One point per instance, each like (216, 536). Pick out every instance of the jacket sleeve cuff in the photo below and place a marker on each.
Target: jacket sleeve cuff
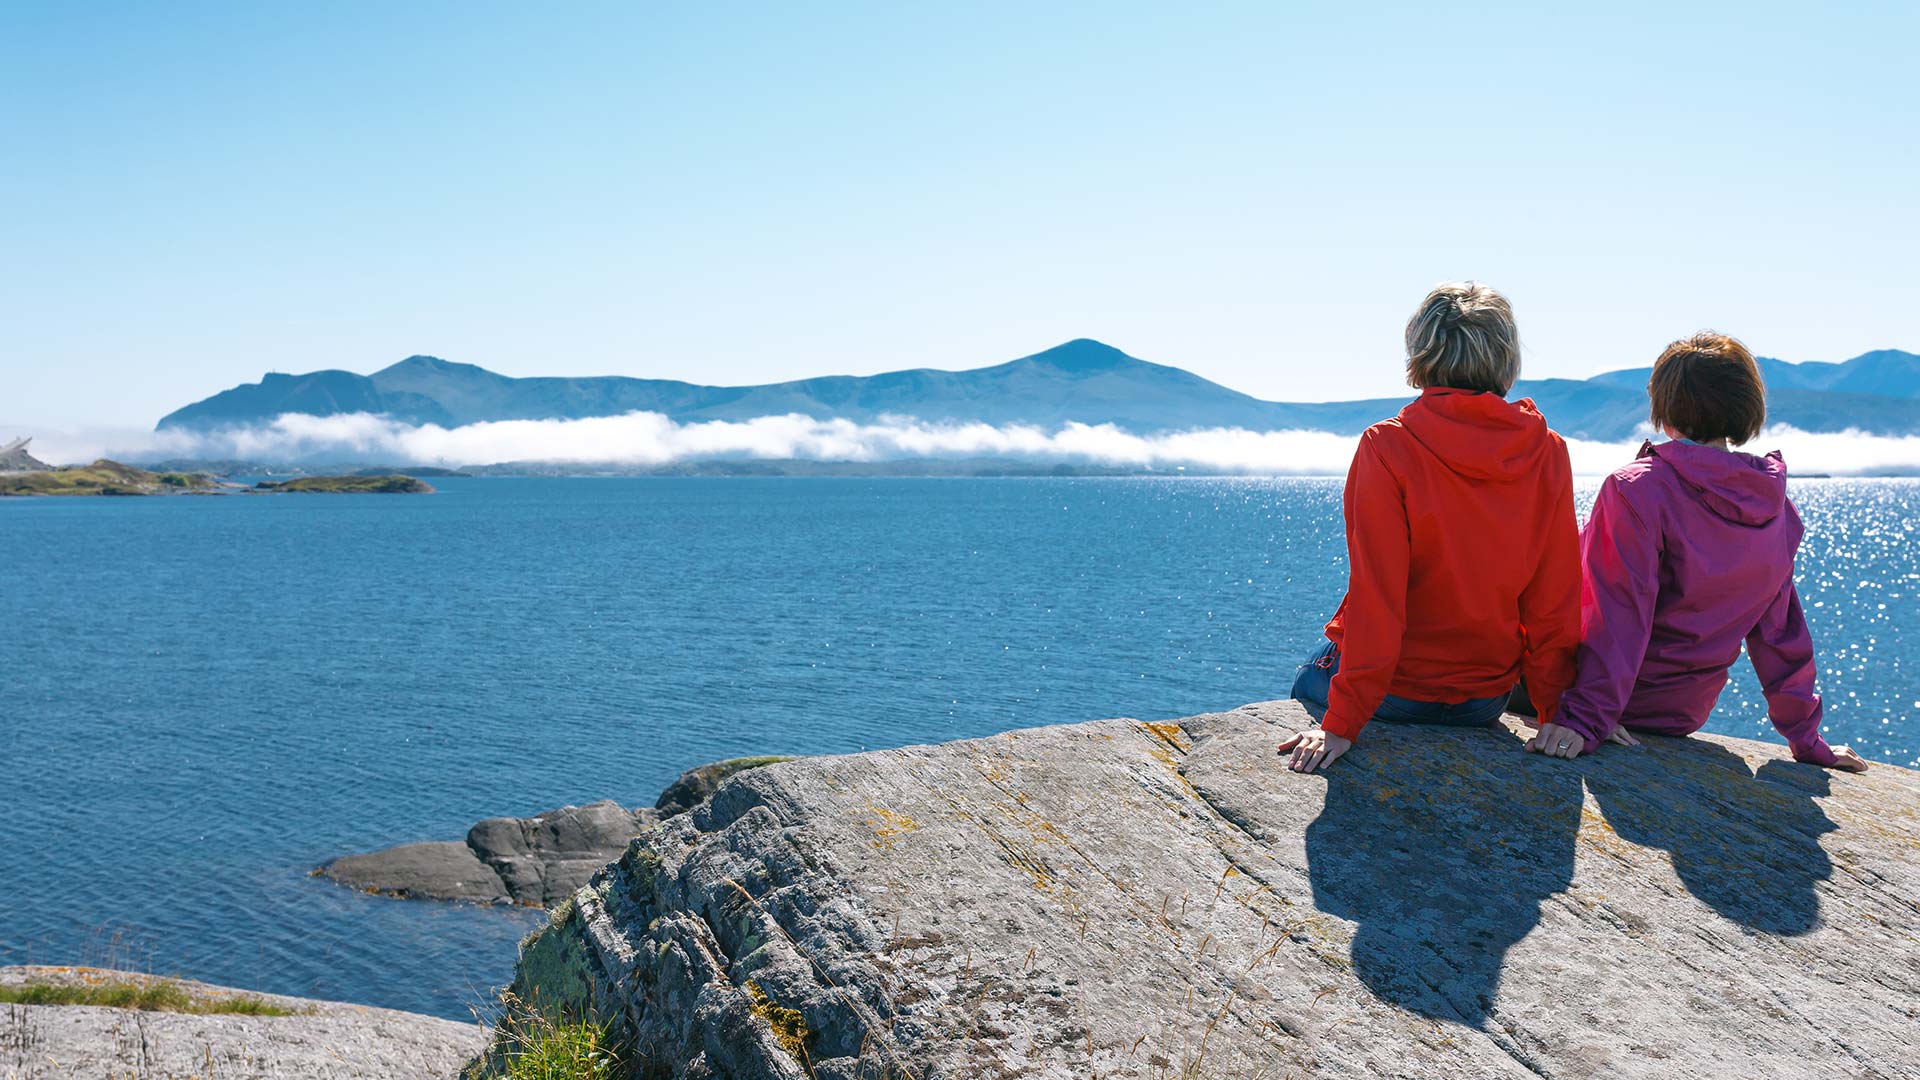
(1816, 752)
(1578, 727)
(1341, 726)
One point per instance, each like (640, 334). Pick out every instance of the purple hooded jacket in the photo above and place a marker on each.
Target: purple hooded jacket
(1689, 551)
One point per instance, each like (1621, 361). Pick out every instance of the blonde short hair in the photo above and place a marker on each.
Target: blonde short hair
(1462, 336)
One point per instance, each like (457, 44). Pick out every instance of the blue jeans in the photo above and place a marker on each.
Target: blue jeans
(1316, 679)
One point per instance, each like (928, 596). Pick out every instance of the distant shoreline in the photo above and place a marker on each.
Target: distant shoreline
(112, 479)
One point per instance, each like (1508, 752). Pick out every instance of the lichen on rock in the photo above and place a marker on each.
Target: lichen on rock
(789, 1026)
(554, 973)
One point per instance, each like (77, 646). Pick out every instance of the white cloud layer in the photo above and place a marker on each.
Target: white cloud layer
(648, 439)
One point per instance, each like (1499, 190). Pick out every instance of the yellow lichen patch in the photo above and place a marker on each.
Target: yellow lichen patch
(1172, 734)
(1164, 756)
(788, 1026)
(1163, 752)
(1597, 832)
(889, 826)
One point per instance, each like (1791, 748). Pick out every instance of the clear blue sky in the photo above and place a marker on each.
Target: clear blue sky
(197, 193)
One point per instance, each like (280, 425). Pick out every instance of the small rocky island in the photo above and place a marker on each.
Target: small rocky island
(383, 484)
(537, 861)
(1160, 900)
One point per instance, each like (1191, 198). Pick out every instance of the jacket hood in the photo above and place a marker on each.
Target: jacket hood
(1739, 487)
(1478, 435)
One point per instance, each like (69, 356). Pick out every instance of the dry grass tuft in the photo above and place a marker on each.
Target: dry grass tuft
(156, 995)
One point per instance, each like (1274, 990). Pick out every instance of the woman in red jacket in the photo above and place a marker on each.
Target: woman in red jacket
(1463, 555)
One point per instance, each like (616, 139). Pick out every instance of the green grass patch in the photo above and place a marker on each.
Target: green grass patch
(531, 1044)
(155, 996)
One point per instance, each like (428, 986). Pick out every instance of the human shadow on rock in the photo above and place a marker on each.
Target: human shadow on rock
(1441, 844)
(1746, 844)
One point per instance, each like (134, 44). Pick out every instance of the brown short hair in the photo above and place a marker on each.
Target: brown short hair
(1462, 335)
(1708, 388)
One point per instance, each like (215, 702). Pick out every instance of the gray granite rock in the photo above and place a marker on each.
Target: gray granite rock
(533, 861)
(431, 870)
(1120, 899)
(698, 784)
(541, 860)
(536, 861)
(323, 1039)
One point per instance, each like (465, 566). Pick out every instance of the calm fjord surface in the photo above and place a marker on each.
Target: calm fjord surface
(204, 698)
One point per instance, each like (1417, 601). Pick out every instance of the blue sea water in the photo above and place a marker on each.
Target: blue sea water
(203, 698)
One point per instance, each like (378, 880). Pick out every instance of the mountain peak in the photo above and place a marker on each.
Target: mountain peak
(1082, 354)
(420, 362)
(1077, 381)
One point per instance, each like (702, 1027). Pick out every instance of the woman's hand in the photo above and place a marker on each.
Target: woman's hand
(1315, 747)
(1556, 741)
(1844, 758)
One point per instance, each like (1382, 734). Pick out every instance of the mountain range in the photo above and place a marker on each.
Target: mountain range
(1083, 380)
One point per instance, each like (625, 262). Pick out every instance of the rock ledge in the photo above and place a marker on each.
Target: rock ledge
(324, 1038)
(1124, 899)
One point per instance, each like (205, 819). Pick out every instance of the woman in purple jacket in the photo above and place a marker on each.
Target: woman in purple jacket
(1689, 551)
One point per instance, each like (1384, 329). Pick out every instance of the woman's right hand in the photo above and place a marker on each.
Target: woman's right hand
(1314, 748)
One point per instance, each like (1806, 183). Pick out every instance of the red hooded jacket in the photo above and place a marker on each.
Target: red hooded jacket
(1464, 560)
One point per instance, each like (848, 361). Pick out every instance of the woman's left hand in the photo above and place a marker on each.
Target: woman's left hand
(1314, 748)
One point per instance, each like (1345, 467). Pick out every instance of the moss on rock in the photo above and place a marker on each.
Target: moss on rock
(555, 975)
(789, 1027)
